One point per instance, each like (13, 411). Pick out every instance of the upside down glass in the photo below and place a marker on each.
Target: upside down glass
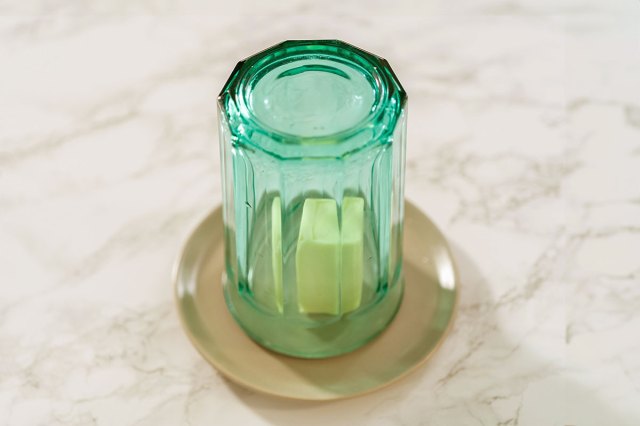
(312, 137)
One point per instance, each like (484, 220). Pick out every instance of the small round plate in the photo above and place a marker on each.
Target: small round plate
(419, 327)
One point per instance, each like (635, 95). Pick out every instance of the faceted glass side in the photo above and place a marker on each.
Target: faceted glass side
(312, 138)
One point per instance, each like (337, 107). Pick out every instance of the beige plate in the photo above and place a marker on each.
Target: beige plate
(418, 329)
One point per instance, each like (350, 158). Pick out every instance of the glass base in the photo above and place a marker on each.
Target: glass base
(320, 339)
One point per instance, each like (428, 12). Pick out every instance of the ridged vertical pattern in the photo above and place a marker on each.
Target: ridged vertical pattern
(228, 211)
(244, 204)
(397, 198)
(353, 270)
(381, 189)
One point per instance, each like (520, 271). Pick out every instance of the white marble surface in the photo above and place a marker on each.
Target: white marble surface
(524, 147)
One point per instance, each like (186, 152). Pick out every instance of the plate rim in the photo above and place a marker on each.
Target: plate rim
(175, 273)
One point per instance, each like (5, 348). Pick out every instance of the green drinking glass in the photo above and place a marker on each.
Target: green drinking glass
(312, 137)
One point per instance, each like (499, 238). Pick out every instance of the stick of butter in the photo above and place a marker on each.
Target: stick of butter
(329, 259)
(352, 234)
(318, 258)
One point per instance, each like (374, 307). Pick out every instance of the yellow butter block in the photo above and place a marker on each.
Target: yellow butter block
(352, 246)
(318, 258)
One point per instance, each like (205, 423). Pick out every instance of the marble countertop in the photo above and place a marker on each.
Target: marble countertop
(523, 146)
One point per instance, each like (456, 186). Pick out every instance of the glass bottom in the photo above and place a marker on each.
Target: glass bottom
(346, 333)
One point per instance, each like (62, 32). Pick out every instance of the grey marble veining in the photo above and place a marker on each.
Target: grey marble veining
(524, 147)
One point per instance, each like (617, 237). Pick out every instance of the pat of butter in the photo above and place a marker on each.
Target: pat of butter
(318, 258)
(329, 259)
(276, 251)
(352, 234)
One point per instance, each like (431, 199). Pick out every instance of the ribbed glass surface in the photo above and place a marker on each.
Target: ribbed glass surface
(312, 146)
